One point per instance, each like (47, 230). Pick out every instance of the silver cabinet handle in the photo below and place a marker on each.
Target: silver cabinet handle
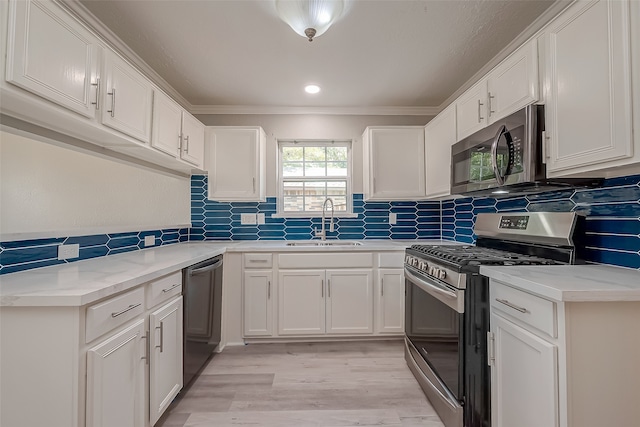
(259, 260)
(373, 190)
(172, 287)
(97, 85)
(113, 102)
(179, 142)
(186, 139)
(269, 289)
(322, 288)
(146, 347)
(511, 305)
(490, 108)
(161, 346)
(329, 288)
(131, 307)
(382, 286)
(254, 184)
(480, 118)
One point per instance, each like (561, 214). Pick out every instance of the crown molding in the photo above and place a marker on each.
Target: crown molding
(534, 29)
(354, 111)
(120, 47)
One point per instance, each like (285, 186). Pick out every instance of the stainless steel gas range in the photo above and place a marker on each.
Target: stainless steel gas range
(447, 305)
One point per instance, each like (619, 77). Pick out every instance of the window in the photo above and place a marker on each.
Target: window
(311, 172)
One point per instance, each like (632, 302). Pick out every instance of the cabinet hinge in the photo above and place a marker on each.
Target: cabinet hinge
(491, 355)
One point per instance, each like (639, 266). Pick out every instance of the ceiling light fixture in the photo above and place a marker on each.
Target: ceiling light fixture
(312, 89)
(310, 18)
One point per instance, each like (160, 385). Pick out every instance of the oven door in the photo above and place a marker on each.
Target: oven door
(434, 322)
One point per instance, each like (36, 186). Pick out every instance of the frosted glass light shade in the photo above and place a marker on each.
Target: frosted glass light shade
(309, 18)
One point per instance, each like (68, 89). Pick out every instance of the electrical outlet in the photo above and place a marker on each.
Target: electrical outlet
(247, 219)
(149, 240)
(68, 251)
(260, 218)
(393, 217)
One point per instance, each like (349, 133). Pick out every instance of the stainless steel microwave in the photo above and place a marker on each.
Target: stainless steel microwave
(506, 158)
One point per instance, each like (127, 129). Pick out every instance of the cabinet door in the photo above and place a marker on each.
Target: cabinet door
(349, 301)
(439, 136)
(52, 55)
(471, 110)
(165, 365)
(301, 296)
(258, 305)
(524, 378)
(192, 140)
(233, 163)
(167, 120)
(127, 99)
(115, 379)
(588, 114)
(390, 312)
(513, 84)
(395, 157)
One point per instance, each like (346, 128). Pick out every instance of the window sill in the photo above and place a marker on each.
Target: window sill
(314, 215)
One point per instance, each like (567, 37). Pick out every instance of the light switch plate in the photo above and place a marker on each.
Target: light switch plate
(149, 240)
(247, 219)
(68, 251)
(393, 217)
(260, 218)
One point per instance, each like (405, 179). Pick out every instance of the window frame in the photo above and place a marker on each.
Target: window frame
(280, 212)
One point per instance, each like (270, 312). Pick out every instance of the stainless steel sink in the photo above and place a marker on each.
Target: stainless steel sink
(325, 243)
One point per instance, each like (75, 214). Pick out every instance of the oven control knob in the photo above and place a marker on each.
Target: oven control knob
(422, 266)
(442, 274)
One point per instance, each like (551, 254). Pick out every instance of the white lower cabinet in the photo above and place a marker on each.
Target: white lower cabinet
(258, 303)
(562, 364)
(165, 357)
(313, 302)
(301, 302)
(523, 378)
(115, 379)
(390, 301)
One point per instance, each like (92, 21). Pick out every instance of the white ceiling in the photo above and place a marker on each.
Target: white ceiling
(382, 53)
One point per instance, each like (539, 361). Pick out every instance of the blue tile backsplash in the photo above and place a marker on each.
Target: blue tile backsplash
(613, 224)
(612, 211)
(221, 221)
(28, 254)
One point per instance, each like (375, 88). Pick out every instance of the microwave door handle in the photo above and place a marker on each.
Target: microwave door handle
(494, 154)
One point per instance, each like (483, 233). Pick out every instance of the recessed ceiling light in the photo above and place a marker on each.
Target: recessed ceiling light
(312, 89)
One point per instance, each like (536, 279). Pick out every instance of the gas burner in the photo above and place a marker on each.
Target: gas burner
(475, 255)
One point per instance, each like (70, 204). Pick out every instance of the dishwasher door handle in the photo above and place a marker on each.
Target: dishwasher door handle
(205, 269)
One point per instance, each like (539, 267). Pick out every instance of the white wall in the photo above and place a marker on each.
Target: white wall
(48, 190)
(302, 126)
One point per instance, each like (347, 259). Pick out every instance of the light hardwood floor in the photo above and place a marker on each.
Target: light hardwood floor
(362, 383)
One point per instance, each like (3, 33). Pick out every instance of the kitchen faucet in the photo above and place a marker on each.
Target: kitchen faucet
(323, 233)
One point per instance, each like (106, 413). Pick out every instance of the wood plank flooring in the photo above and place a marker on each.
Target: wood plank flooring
(361, 383)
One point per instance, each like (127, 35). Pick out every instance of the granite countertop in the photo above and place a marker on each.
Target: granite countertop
(571, 283)
(83, 282)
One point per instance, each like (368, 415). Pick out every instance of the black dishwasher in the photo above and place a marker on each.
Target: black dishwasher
(202, 314)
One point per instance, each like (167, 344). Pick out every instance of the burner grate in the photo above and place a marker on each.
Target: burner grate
(474, 255)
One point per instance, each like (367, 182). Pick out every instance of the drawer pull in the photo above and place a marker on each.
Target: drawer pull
(511, 305)
(258, 260)
(171, 288)
(131, 307)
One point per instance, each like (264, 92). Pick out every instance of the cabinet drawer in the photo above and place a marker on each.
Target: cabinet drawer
(529, 309)
(164, 288)
(391, 260)
(258, 260)
(332, 260)
(107, 315)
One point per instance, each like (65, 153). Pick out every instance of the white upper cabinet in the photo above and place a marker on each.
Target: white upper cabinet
(393, 164)
(589, 98)
(510, 86)
(234, 158)
(439, 136)
(167, 124)
(192, 148)
(127, 99)
(176, 132)
(52, 55)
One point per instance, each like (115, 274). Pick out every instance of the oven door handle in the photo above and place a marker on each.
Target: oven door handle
(444, 295)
